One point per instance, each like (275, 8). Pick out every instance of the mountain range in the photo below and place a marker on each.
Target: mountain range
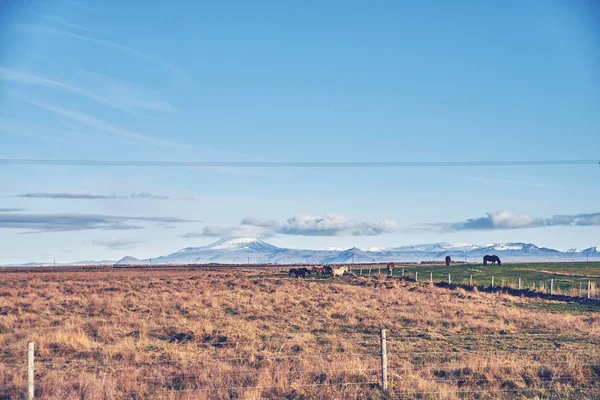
(238, 250)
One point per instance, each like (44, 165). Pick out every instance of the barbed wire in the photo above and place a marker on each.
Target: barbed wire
(401, 391)
(489, 366)
(397, 335)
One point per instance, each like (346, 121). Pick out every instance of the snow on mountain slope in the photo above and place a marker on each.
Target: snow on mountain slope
(237, 250)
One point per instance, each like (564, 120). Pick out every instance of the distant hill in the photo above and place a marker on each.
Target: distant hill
(238, 250)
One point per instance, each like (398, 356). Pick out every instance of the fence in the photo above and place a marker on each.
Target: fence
(560, 285)
(404, 363)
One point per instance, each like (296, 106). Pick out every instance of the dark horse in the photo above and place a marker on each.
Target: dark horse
(448, 260)
(493, 259)
(299, 272)
(390, 268)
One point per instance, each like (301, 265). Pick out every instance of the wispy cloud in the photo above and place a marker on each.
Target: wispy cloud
(36, 223)
(213, 231)
(88, 196)
(301, 225)
(174, 70)
(61, 21)
(253, 221)
(507, 220)
(335, 225)
(119, 95)
(117, 244)
(98, 124)
(127, 94)
(7, 210)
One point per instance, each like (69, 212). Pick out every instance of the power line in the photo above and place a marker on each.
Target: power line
(293, 164)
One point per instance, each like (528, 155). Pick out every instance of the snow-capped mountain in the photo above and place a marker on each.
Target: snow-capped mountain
(591, 250)
(243, 250)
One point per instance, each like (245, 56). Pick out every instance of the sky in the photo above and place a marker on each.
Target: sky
(296, 81)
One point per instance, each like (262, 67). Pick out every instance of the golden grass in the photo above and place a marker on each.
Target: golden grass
(188, 334)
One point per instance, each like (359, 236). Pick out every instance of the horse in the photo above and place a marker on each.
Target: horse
(319, 270)
(339, 271)
(299, 272)
(390, 268)
(493, 259)
(303, 271)
(448, 260)
(328, 269)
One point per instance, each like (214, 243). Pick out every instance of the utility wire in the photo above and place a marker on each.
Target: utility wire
(292, 164)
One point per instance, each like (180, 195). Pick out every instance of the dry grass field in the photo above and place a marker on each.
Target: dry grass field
(194, 334)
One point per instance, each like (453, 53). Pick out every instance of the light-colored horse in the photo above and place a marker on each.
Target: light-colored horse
(339, 271)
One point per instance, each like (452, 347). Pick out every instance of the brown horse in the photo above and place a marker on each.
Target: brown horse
(448, 260)
(390, 268)
(319, 270)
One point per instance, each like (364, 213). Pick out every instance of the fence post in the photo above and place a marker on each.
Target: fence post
(360, 271)
(403, 272)
(492, 281)
(449, 280)
(471, 280)
(417, 276)
(384, 382)
(519, 283)
(589, 288)
(30, 370)
(369, 271)
(431, 277)
(551, 286)
(379, 273)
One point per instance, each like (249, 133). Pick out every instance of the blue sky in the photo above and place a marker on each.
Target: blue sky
(296, 81)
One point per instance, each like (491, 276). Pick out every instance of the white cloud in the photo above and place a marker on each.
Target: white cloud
(253, 221)
(508, 220)
(335, 225)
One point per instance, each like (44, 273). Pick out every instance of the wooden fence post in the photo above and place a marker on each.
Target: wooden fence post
(589, 289)
(551, 286)
(30, 370)
(417, 276)
(431, 277)
(369, 271)
(360, 271)
(384, 382)
(519, 283)
(471, 280)
(403, 272)
(492, 281)
(449, 280)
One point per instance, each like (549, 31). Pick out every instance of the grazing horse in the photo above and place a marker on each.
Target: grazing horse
(319, 270)
(448, 260)
(390, 268)
(303, 272)
(299, 272)
(339, 271)
(493, 259)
